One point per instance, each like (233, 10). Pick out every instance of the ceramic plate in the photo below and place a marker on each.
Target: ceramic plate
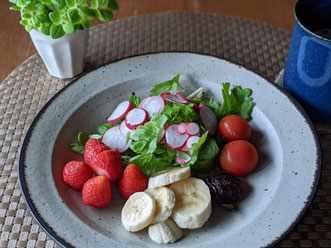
(276, 194)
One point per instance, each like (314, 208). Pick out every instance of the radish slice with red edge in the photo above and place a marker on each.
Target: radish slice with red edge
(208, 118)
(192, 140)
(182, 158)
(183, 97)
(184, 149)
(135, 118)
(165, 93)
(196, 107)
(125, 130)
(192, 129)
(175, 99)
(120, 111)
(114, 139)
(174, 139)
(181, 127)
(153, 104)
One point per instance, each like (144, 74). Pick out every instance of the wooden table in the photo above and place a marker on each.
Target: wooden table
(16, 46)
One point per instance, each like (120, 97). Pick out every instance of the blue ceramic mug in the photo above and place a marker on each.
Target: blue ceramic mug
(308, 68)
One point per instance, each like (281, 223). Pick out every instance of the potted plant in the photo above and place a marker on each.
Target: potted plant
(59, 30)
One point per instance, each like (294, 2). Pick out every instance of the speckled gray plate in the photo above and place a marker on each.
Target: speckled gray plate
(276, 194)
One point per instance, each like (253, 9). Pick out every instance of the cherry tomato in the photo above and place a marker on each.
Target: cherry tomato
(238, 157)
(233, 127)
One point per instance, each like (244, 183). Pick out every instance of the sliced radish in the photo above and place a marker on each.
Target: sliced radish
(174, 139)
(183, 97)
(175, 99)
(184, 149)
(153, 104)
(165, 93)
(120, 111)
(181, 127)
(192, 129)
(125, 130)
(113, 138)
(135, 118)
(161, 136)
(196, 107)
(182, 158)
(192, 140)
(208, 118)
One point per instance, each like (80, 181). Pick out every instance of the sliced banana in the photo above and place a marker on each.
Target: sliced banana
(138, 211)
(169, 176)
(165, 232)
(193, 203)
(165, 202)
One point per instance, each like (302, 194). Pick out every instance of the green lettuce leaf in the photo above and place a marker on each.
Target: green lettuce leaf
(145, 137)
(135, 100)
(177, 113)
(150, 164)
(195, 149)
(238, 102)
(206, 156)
(172, 84)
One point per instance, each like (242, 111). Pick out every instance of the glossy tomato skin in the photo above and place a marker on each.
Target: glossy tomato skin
(238, 157)
(233, 127)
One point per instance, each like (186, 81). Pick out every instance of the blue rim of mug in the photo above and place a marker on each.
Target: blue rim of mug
(306, 29)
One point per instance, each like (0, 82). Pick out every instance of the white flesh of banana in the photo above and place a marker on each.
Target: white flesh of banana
(165, 202)
(165, 232)
(167, 177)
(138, 211)
(193, 203)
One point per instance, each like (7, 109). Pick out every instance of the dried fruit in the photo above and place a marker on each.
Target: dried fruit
(225, 189)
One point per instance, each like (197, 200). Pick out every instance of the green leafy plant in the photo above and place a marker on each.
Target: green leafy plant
(59, 17)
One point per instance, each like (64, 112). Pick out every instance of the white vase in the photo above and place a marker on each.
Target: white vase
(63, 57)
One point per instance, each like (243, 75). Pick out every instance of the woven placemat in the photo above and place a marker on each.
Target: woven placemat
(260, 47)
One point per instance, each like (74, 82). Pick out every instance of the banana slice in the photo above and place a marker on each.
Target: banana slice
(193, 203)
(165, 232)
(138, 211)
(169, 176)
(165, 202)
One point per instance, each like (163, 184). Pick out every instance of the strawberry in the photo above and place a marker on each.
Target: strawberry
(97, 192)
(132, 181)
(92, 148)
(107, 163)
(76, 173)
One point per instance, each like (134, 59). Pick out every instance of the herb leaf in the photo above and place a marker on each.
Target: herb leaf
(177, 113)
(77, 148)
(82, 138)
(56, 31)
(135, 100)
(59, 17)
(170, 85)
(238, 102)
(102, 128)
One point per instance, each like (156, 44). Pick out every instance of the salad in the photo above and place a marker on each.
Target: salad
(165, 142)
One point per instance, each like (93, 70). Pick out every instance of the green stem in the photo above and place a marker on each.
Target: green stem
(196, 93)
